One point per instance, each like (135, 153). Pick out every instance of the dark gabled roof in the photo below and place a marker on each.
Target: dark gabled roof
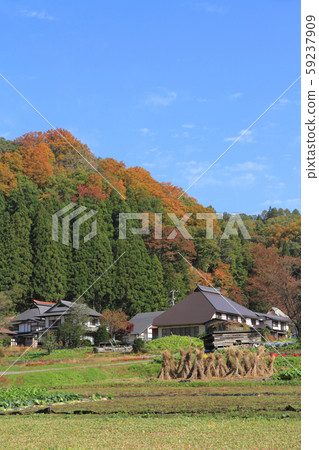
(275, 318)
(142, 321)
(193, 310)
(63, 306)
(224, 304)
(199, 308)
(30, 314)
(33, 313)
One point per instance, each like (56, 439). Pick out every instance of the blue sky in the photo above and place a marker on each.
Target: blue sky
(166, 85)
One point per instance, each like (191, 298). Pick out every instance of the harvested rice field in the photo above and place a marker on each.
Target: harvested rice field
(131, 432)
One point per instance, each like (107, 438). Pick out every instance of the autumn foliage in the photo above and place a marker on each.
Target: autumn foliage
(116, 322)
(276, 281)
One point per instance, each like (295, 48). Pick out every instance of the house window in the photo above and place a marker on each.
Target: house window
(231, 317)
(218, 315)
(182, 331)
(275, 324)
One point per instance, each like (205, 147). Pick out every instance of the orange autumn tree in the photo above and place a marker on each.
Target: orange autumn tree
(113, 171)
(10, 164)
(38, 163)
(275, 281)
(223, 280)
(8, 179)
(68, 151)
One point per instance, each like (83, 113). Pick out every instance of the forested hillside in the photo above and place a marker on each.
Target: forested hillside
(40, 173)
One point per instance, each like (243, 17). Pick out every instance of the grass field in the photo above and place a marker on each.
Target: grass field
(147, 413)
(129, 432)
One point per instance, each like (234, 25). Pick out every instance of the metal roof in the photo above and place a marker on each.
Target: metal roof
(142, 321)
(275, 318)
(199, 308)
(193, 310)
(223, 304)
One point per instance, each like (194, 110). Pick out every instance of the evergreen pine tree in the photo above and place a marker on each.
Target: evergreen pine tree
(48, 277)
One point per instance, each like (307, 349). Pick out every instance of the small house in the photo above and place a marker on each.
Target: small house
(143, 326)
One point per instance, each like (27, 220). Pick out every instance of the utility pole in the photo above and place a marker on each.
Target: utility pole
(172, 301)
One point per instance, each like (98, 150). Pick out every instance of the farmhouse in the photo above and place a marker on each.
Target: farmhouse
(278, 326)
(29, 325)
(206, 306)
(143, 326)
(193, 315)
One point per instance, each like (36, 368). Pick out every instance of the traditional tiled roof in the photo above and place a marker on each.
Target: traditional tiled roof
(63, 306)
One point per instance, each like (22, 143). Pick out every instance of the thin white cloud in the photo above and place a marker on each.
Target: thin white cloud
(272, 202)
(243, 180)
(148, 165)
(144, 130)
(164, 98)
(244, 136)
(283, 103)
(293, 201)
(188, 125)
(236, 95)
(36, 15)
(191, 167)
(246, 166)
(201, 100)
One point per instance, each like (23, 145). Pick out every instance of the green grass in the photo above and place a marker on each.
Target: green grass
(130, 432)
(173, 343)
(75, 376)
(38, 354)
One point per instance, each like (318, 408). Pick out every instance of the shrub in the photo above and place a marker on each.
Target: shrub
(101, 335)
(174, 343)
(86, 343)
(48, 342)
(289, 374)
(5, 342)
(138, 345)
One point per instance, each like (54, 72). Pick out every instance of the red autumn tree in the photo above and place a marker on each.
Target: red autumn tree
(116, 322)
(275, 281)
